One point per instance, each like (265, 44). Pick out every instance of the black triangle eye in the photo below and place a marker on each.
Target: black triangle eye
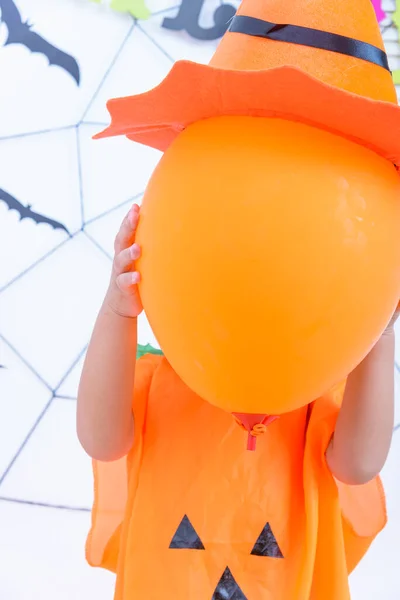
(266, 545)
(186, 537)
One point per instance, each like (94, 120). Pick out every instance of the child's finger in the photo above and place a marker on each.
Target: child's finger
(123, 260)
(126, 234)
(128, 281)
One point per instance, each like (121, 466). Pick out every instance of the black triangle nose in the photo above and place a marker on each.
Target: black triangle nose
(227, 588)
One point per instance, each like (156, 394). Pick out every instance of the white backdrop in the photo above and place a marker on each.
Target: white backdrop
(53, 276)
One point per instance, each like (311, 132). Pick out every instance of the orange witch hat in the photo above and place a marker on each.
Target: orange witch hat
(320, 62)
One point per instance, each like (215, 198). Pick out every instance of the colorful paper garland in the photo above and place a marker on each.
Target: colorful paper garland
(139, 10)
(136, 8)
(380, 13)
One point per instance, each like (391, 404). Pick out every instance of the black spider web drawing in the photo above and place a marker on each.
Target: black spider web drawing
(54, 390)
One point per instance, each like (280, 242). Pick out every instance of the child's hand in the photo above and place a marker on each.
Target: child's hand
(123, 294)
(390, 328)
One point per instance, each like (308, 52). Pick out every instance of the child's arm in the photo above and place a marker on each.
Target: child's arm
(104, 412)
(363, 433)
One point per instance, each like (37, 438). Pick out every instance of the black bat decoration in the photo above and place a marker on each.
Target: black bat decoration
(25, 212)
(20, 32)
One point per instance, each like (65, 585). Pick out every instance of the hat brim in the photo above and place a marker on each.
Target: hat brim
(192, 92)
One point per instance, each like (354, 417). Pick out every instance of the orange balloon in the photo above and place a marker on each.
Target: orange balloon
(270, 259)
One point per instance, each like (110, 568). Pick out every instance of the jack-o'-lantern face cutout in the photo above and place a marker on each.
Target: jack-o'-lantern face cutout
(186, 538)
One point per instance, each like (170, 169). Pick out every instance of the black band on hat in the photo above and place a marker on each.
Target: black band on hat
(314, 38)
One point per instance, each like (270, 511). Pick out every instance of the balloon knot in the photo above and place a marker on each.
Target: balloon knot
(255, 431)
(254, 425)
(258, 429)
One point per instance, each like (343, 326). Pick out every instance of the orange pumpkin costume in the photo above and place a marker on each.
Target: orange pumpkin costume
(189, 514)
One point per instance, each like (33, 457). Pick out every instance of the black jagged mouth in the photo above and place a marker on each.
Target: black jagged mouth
(228, 588)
